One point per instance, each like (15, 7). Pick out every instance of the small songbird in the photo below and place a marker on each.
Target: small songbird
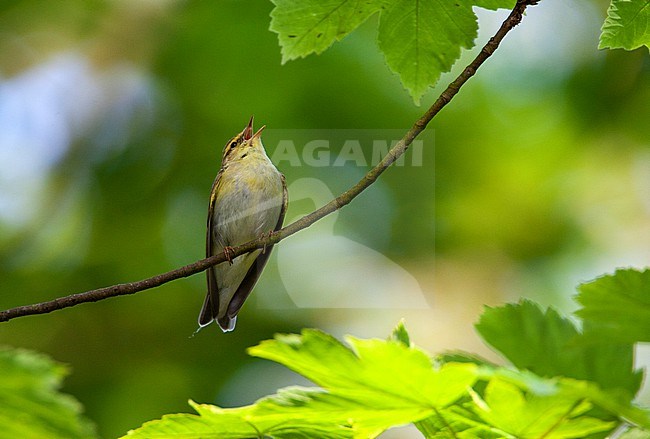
(248, 200)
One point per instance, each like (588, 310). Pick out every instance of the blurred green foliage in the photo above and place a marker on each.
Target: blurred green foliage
(31, 405)
(539, 173)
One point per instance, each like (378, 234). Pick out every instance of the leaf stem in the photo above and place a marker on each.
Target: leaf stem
(446, 424)
(557, 423)
(427, 427)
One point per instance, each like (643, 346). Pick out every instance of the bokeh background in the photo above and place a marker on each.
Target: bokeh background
(113, 115)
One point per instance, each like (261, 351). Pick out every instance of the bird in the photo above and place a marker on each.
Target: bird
(248, 200)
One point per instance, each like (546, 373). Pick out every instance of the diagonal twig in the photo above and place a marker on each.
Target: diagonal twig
(345, 198)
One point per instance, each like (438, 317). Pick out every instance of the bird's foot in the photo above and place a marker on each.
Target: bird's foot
(228, 252)
(266, 236)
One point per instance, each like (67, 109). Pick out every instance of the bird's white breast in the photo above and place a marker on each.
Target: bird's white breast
(249, 202)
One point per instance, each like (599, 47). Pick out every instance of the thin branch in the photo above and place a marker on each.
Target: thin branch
(345, 198)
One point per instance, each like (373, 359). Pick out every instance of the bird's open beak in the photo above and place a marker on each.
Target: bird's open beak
(258, 133)
(248, 131)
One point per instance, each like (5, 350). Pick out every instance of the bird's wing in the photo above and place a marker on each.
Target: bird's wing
(254, 272)
(211, 304)
(285, 203)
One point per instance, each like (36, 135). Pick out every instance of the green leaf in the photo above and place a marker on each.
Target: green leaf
(361, 419)
(31, 406)
(462, 357)
(617, 307)
(312, 354)
(368, 388)
(550, 345)
(372, 385)
(610, 405)
(421, 39)
(384, 383)
(455, 423)
(401, 335)
(613, 402)
(526, 415)
(495, 4)
(266, 418)
(311, 26)
(375, 371)
(627, 25)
